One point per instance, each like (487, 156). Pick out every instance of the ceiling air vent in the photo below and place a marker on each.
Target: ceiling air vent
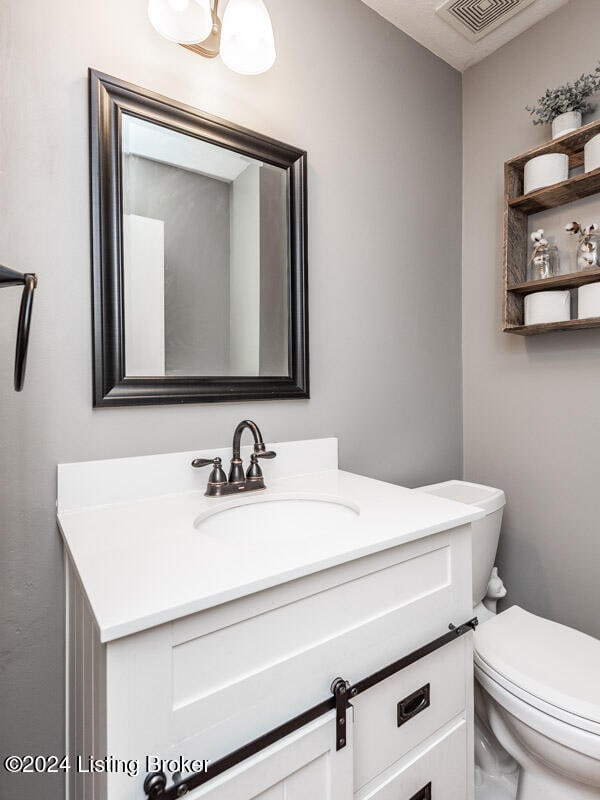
(476, 18)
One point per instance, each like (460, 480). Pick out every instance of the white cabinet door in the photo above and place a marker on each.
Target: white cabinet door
(303, 766)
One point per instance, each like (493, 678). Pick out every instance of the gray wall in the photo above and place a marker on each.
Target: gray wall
(195, 210)
(530, 404)
(274, 268)
(380, 118)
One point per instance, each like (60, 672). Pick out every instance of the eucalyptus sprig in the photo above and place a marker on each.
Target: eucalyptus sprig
(569, 97)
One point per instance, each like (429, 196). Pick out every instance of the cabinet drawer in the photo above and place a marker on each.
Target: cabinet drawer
(222, 690)
(435, 770)
(404, 710)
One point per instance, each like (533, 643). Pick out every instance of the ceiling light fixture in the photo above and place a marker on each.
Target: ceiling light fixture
(244, 38)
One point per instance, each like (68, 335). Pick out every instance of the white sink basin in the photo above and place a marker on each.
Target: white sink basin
(277, 517)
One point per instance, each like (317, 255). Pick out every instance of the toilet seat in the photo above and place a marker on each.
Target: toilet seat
(540, 665)
(550, 726)
(487, 676)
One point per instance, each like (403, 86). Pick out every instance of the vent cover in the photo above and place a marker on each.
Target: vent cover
(477, 18)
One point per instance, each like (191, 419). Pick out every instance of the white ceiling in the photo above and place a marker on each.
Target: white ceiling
(143, 138)
(418, 19)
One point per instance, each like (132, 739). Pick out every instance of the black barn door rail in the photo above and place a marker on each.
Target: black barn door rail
(155, 785)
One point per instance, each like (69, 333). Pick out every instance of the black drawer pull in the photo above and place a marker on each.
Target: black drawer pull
(423, 794)
(412, 705)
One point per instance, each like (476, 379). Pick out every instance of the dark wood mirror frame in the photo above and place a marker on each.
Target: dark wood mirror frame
(110, 98)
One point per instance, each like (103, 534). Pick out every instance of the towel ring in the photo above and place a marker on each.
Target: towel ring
(29, 281)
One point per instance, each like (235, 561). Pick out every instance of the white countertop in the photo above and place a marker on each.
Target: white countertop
(142, 562)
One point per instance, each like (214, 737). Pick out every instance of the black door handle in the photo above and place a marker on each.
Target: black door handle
(413, 704)
(423, 794)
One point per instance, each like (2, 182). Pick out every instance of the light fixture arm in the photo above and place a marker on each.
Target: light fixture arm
(211, 46)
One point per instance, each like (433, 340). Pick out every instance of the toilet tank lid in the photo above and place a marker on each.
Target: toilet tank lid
(543, 660)
(473, 494)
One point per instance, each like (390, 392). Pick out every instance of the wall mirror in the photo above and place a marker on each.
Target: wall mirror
(199, 255)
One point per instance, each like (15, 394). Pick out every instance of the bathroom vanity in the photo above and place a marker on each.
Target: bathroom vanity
(196, 625)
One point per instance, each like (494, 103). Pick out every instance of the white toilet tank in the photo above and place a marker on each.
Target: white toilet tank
(486, 531)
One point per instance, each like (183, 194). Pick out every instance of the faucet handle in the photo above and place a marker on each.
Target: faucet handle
(254, 471)
(217, 475)
(204, 462)
(261, 452)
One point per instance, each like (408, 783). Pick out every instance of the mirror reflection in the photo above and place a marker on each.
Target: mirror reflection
(205, 258)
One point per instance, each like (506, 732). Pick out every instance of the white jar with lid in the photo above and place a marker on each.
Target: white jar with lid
(543, 307)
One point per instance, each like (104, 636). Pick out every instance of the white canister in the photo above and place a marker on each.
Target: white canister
(566, 123)
(545, 170)
(589, 301)
(592, 153)
(543, 307)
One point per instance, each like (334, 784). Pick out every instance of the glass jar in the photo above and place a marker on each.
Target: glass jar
(545, 262)
(587, 253)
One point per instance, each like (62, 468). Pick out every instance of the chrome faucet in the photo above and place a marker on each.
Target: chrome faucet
(219, 484)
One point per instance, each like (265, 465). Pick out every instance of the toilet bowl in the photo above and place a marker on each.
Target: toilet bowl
(541, 689)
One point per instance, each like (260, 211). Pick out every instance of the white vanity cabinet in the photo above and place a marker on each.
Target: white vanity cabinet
(303, 765)
(203, 685)
(188, 643)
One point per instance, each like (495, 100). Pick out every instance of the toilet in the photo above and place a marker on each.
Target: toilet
(537, 691)
(540, 683)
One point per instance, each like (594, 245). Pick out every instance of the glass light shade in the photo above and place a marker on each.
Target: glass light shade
(247, 41)
(182, 21)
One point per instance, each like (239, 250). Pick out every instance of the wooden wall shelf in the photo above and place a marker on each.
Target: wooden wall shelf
(551, 327)
(570, 281)
(518, 207)
(559, 193)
